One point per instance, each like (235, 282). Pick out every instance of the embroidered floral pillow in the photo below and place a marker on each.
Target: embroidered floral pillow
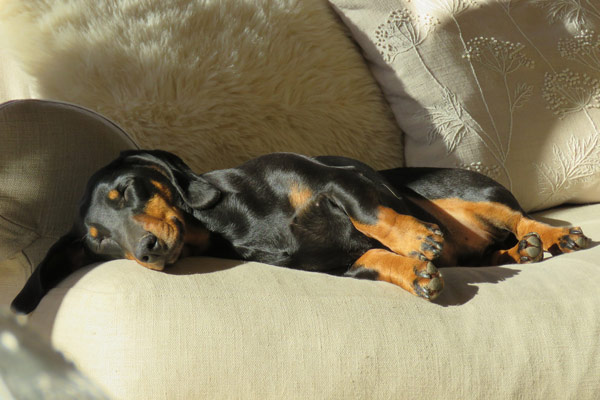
(509, 88)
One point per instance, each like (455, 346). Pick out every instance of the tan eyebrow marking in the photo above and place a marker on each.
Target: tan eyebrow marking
(93, 231)
(114, 194)
(163, 190)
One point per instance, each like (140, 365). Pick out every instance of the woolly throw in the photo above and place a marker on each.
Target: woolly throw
(216, 82)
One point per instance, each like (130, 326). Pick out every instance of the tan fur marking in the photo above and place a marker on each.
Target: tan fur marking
(402, 234)
(473, 215)
(93, 231)
(158, 218)
(390, 267)
(394, 268)
(163, 190)
(299, 196)
(114, 194)
(550, 235)
(470, 223)
(508, 256)
(464, 222)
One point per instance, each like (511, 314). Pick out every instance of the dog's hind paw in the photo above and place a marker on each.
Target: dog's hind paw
(530, 248)
(572, 240)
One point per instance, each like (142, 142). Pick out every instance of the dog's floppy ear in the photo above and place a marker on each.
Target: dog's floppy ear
(195, 191)
(64, 257)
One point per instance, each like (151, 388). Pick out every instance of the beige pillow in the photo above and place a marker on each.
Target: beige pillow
(508, 88)
(217, 82)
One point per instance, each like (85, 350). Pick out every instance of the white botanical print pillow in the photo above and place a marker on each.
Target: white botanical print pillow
(510, 88)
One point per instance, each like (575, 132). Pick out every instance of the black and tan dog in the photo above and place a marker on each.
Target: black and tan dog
(326, 214)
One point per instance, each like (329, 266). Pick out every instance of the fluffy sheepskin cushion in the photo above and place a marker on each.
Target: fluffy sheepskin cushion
(216, 82)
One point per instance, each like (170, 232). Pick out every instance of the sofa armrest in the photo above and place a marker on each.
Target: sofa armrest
(49, 150)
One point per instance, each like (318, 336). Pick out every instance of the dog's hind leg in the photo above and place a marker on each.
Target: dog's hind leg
(533, 237)
(554, 240)
(527, 250)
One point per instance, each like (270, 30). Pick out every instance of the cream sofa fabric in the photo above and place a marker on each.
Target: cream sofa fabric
(220, 329)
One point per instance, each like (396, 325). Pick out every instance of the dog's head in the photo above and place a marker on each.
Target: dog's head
(138, 207)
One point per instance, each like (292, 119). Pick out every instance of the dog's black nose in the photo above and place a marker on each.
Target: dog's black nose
(148, 249)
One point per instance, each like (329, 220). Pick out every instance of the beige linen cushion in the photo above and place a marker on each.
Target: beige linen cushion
(507, 88)
(216, 82)
(48, 152)
(218, 329)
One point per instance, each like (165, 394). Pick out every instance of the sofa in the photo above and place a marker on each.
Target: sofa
(507, 88)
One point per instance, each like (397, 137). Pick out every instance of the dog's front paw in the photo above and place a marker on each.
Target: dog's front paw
(429, 243)
(428, 282)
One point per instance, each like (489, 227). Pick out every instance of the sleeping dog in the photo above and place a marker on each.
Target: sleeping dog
(326, 214)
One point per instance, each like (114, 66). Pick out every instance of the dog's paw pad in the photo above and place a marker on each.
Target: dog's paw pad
(530, 248)
(574, 240)
(429, 282)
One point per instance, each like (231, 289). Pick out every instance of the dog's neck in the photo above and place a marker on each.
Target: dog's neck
(196, 237)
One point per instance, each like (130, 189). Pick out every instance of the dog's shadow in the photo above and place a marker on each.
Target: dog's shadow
(202, 265)
(460, 282)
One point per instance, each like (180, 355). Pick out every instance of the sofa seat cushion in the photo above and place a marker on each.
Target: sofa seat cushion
(210, 328)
